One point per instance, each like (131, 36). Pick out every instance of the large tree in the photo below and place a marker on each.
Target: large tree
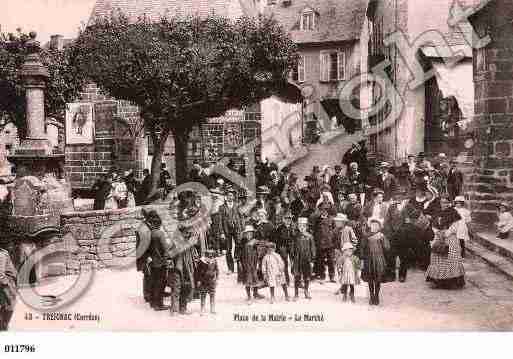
(63, 85)
(181, 71)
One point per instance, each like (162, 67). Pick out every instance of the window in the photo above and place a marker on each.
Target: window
(298, 74)
(308, 20)
(333, 65)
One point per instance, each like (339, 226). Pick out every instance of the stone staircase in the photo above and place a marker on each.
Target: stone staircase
(329, 151)
(498, 253)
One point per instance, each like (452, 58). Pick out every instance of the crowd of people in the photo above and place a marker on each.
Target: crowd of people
(342, 227)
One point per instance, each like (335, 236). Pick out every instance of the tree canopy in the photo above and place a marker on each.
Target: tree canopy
(63, 85)
(181, 71)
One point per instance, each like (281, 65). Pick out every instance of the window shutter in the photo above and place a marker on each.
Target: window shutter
(324, 70)
(301, 69)
(341, 65)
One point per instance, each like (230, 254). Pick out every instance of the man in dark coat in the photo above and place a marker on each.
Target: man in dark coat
(232, 226)
(144, 189)
(386, 181)
(338, 182)
(454, 181)
(101, 189)
(143, 241)
(159, 253)
(323, 228)
(303, 252)
(215, 232)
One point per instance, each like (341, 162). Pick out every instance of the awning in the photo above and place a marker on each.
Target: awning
(332, 108)
(290, 92)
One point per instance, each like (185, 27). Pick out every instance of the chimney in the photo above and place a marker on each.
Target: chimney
(57, 42)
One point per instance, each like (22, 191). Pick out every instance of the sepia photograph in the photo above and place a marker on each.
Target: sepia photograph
(256, 166)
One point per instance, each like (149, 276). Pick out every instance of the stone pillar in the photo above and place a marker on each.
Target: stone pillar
(40, 194)
(492, 181)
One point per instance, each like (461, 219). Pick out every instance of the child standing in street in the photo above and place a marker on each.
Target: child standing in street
(372, 252)
(464, 227)
(273, 270)
(302, 254)
(505, 224)
(347, 267)
(207, 274)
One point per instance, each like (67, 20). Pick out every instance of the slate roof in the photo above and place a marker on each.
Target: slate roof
(340, 20)
(155, 9)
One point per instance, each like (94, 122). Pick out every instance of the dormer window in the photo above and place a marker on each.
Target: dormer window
(309, 19)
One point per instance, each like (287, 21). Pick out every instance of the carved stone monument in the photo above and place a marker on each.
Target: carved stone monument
(40, 193)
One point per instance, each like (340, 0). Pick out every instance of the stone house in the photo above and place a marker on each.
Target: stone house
(327, 33)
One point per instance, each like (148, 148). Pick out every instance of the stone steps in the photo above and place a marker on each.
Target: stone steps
(492, 252)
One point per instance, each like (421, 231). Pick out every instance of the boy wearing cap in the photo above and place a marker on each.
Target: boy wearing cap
(283, 237)
(207, 273)
(302, 255)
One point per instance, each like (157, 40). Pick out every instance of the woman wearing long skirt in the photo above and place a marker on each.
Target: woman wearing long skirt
(446, 269)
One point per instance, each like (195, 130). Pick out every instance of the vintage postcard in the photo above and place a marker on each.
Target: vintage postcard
(256, 165)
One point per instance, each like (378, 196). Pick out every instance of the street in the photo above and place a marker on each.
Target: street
(486, 304)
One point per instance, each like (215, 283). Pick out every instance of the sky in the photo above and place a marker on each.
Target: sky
(46, 17)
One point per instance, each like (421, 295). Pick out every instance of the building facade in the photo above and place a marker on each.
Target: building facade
(420, 117)
(328, 37)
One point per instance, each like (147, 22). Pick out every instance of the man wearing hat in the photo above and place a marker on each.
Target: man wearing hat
(423, 162)
(283, 238)
(322, 226)
(159, 254)
(143, 242)
(262, 201)
(403, 241)
(232, 225)
(454, 181)
(302, 255)
(386, 181)
(338, 182)
(101, 189)
(215, 232)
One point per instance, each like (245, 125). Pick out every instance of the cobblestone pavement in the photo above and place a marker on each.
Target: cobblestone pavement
(485, 304)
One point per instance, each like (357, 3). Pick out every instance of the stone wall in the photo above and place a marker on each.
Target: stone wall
(112, 145)
(493, 80)
(83, 230)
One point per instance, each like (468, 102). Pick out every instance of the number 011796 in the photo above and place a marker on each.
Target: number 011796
(19, 348)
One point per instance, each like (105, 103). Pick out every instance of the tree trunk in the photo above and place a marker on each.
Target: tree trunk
(181, 137)
(158, 152)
